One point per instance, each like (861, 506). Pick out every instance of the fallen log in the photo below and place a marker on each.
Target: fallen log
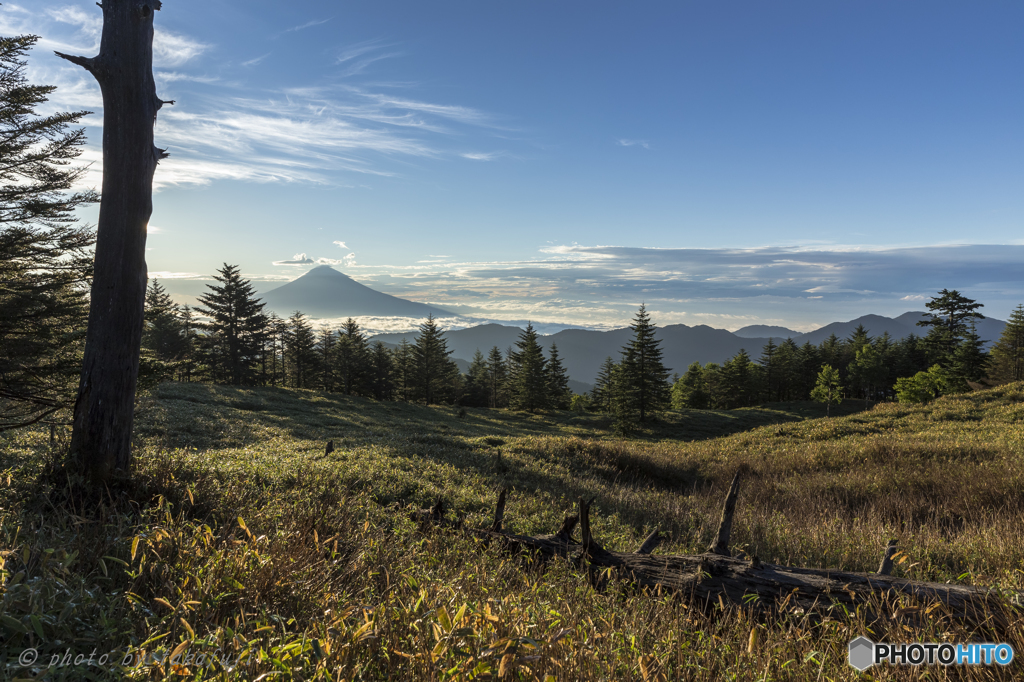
(716, 575)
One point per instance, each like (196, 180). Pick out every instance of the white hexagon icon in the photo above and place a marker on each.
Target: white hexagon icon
(862, 653)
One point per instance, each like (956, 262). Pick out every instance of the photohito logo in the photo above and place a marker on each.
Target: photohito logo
(863, 653)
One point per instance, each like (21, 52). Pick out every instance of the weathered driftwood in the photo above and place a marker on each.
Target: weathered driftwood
(715, 575)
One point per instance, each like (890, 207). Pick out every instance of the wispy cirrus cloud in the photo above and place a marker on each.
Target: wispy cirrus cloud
(256, 60)
(634, 143)
(174, 76)
(481, 156)
(171, 49)
(308, 24)
(331, 132)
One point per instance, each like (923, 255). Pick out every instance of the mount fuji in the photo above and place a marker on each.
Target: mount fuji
(325, 292)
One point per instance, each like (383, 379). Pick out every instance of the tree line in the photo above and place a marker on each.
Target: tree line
(229, 338)
(949, 358)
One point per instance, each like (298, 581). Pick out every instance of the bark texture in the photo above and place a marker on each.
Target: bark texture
(100, 441)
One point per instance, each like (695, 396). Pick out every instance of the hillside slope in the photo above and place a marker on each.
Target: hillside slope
(238, 533)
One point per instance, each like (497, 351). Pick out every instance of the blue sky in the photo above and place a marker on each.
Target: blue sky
(729, 163)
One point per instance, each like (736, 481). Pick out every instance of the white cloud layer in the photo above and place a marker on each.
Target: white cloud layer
(297, 259)
(797, 287)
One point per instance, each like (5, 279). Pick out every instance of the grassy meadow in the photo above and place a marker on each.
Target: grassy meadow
(238, 537)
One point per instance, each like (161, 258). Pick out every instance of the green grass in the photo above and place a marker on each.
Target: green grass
(237, 532)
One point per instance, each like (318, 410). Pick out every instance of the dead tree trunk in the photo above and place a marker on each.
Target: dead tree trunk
(707, 578)
(106, 394)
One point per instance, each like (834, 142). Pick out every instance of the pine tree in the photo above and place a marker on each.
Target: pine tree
(601, 396)
(351, 359)
(435, 374)
(162, 331)
(300, 347)
(1008, 352)
(769, 365)
(859, 339)
(559, 393)
(642, 387)
(45, 259)
(405, 371)
(274, 347)
(714, 383)
(868, 371)
(830, 352)
(740, 381)
(690, 391)
(381, 378)
(236, 328)
(807, 370)
(497, 378)
(787, 369)
(949, 319)
(477, 388)
(969, 362)
(188, 365)
(528, 384)
(326, 342)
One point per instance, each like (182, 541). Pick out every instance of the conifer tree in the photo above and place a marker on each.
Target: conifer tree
(477, 387)
(404, 371)
(434, 374)
(830, 352)
(1008, 352)
(162, 331)
(559, 393)
(868, 371)
(808, 363)
(325, 347)
(689, 390)
(740, 381)
(949, 319)
(640, 383)
(236, 329)
(381, 375)
(858, 339)
(45, 259)
(274, 345)
(300, 347)
(188, 365)
(497, 378)
(969, 362)
(352, 359)
(769, 366)
(601, 396)
(787, 370)
(715, 385)
(528, 384)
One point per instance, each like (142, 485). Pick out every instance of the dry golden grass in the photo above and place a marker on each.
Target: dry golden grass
(237, 533)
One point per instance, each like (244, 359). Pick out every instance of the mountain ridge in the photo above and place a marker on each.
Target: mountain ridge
(583, 351)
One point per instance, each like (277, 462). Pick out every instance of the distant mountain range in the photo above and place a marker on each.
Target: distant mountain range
(583, 351)
(325, 292)
(761, 331)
